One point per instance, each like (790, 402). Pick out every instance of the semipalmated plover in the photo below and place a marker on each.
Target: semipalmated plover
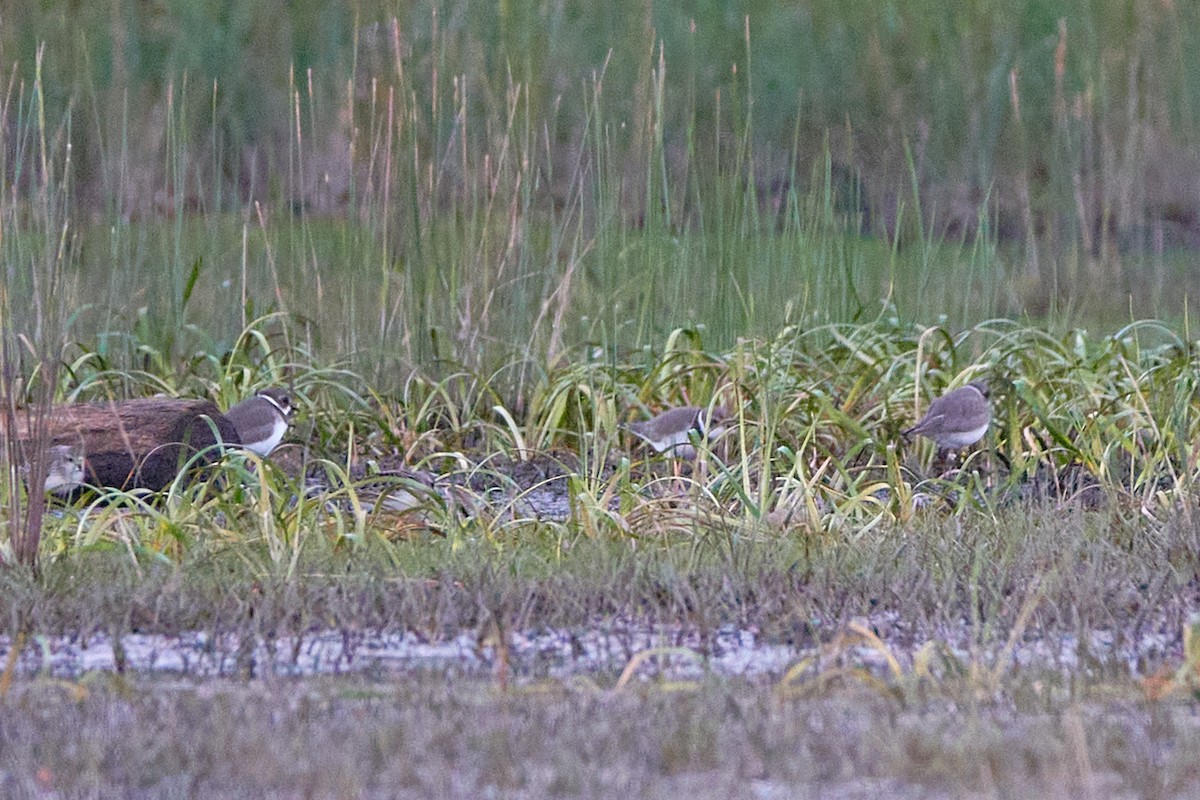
(671, 431)
(956, 419)
(262, 420)
(398, 489)
(64, 468)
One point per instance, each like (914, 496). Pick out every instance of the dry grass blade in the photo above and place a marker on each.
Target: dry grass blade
(643, 657)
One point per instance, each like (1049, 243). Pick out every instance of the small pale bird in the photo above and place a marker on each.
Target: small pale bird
(262, 420)
(956, 419)
(64, 468)
(671, 431)
(397, 489)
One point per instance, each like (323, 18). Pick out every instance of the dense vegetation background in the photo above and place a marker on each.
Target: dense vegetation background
(487, 183)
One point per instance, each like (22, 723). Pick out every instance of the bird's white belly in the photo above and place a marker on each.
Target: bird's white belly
(265, 447)
(963, 438)
(66, 476)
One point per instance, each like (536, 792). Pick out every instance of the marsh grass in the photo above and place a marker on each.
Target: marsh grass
(1095, 422)
(478, 244)
(946, 599)
(409, 203)
(1080, 570)
(914, 625)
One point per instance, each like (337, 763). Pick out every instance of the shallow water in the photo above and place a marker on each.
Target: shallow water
(666, 651)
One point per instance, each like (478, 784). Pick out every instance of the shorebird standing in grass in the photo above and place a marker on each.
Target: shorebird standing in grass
(262, 420)
(957, 419)
(64, 464)
(671, 431)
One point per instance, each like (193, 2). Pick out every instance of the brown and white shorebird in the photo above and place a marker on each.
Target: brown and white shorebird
(64, 468)
(397, 489)
(671, 431)
(956, 419)
(262, 420)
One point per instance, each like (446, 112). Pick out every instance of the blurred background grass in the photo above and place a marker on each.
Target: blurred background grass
(500, 184)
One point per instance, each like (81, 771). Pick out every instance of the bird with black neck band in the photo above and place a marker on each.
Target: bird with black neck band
(671, 431)
(262, 420)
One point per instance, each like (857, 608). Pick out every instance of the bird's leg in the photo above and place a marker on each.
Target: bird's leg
(944, 461)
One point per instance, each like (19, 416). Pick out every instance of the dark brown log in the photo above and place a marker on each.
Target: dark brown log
(138, 444)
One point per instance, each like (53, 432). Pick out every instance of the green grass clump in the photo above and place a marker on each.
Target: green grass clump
(815, 449)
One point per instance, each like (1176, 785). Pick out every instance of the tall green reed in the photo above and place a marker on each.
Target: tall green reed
(500, 188)
(37, 242)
